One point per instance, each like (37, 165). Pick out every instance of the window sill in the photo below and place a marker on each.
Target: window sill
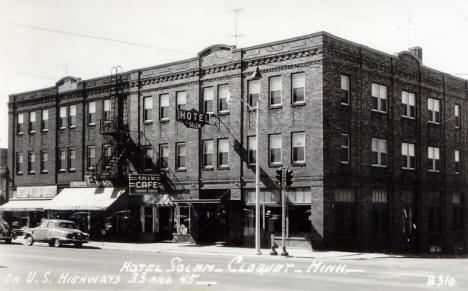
(31, 172)
(344, 163)
(457, 127)
(91, 168)
(409, 169)
(62, 128)
(457, 173)
(379, 111)
(279, 165)
(275, 107)
(221, 168)
(147, 122)
(20, 133)
(147, 170)
(181, 170)
(223, 113)
(91, 124)
(251, 165)
(344, 104)
(44, 172)
(207, 169)
(299, 164)
(45, 130)
(298, 104)
(433, 122)
(72, 126)
(32, 132)
(164, 120)
(61, 171)
(433, 171)
(378, 166)
(408, 117)
(19, 173)
(71, 170)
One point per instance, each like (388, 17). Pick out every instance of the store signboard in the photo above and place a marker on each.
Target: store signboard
(193, 118)
(139, 184)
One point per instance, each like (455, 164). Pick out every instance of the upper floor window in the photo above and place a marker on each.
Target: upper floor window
(62, 160)
(275, 91)
(254, 92)
(345, 91)
(408, 103)
(43, 159)
(147, 158)
(275, 148)
(379, 152)
(91, 155)
(407, 155)
(433, 159)
(63, 117)
(32, 122)
(344, 148)
(31, 160)
(181, 153)
(163, 156)
(181, 99)
(19, 163)
(45, 120)
(223, 152)
(19, 123)
(72, 117)
(163, 106)
(298, 147)
(433, 105)
(252, 149)
(71, 159)
(457, 161)
(457, 115)
(223, 97)
(92, 113)
(208, 97)
(298, 88)
(147, 108)
(379, 98)
(208, 154)
(107, 109)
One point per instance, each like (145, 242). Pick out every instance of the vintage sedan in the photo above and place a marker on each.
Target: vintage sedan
(5, 232)
(56, 232)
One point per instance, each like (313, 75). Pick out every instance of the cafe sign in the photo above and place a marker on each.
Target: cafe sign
(193, 118)
(143, 184)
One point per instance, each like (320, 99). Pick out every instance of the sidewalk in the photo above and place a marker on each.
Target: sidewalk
(232, 251)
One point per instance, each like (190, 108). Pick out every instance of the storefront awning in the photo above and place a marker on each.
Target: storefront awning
(25, 205)
(85, 198)
(199, 201)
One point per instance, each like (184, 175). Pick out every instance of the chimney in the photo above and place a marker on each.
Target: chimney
(417, 52)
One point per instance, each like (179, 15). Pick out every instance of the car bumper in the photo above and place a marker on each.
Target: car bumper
(72, 241)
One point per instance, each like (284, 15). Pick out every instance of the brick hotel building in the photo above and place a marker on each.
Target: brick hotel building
(377, 144)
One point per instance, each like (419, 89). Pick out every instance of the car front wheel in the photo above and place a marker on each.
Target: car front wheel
(78, 245)
(57, 243)
(8, 241)
(29, 240)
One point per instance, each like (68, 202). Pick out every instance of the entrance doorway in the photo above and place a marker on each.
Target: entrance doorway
(165, 223)
(213, 223)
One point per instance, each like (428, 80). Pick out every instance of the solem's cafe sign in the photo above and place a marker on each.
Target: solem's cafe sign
(143, 184)
(193, 118)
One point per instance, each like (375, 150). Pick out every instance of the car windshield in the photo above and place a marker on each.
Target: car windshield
(67, 225)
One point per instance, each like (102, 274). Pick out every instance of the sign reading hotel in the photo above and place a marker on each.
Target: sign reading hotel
(193, 118)
(143, 184)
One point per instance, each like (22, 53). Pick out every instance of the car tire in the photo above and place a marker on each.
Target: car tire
(8, 241)
(78, 245)
(29, 240)
(57, 243)
(51, 244)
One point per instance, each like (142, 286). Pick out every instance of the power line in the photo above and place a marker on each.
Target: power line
(28, 74)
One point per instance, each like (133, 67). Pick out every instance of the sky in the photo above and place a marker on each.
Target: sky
(43, 41)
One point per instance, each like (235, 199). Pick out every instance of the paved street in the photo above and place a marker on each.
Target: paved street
(94, 268)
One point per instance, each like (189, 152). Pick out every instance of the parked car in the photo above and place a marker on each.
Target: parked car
(5, 232)
(56, 232)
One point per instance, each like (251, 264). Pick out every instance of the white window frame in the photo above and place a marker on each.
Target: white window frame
(295, 79)
(345, 87)
(208, 148)
(381, 93)
(297, 144)
(457, 161)
(270, 148)
(181, 96)
(32, 122)
(163, 153)
(380, 147)
(251, 146)
(433, 106)
(222, 142)
(147, 109)
(433, 154)
(208, 95)
(408, 151)
(91, 113)
(457, 115)
(253, 89)
(72, 116)
(44, 120)
(178, 154)
(347, 147)
(221, 90)
(270, 90)
(408, 99)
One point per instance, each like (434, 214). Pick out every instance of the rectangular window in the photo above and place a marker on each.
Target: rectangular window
(106, 153)
(275, 145)
(344, 148)
(433, 159)
(44, 158)
(147, 108)
(92, 113)
(457, 161)
(72, 117)
(45, 120)
(164, 106)
(32, 122)
(298, 88)
(163, 156)
(71, 159)
(62, 160)
(379, 152)
(181, 99)
(379, 213)
(208, 97)
(345, 90)
(407, 156)
(252, 149)
(223, 97)
(91, 155)
(31, 160)
(19, 163)
(298, 147)
(457, 115)
(63, 117)
(458, 220)
(181, 152)
(345, 212)
(379, 98)
(147, 158)
(275, 91)
(107, 109)
(223, 152)
(408, 103)
(433, 105)
(19, 123)
(208, 151)
(254, 92)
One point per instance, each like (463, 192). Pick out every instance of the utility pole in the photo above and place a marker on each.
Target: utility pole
(236, 35)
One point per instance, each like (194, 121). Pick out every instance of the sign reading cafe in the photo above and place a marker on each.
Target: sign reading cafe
(193, 118)
(143, 184)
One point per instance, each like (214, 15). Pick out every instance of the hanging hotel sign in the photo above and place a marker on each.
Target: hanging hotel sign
(193, 118)
(143, 184)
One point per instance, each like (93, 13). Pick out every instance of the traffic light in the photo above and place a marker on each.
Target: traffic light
(289, 177)
(279, 177)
